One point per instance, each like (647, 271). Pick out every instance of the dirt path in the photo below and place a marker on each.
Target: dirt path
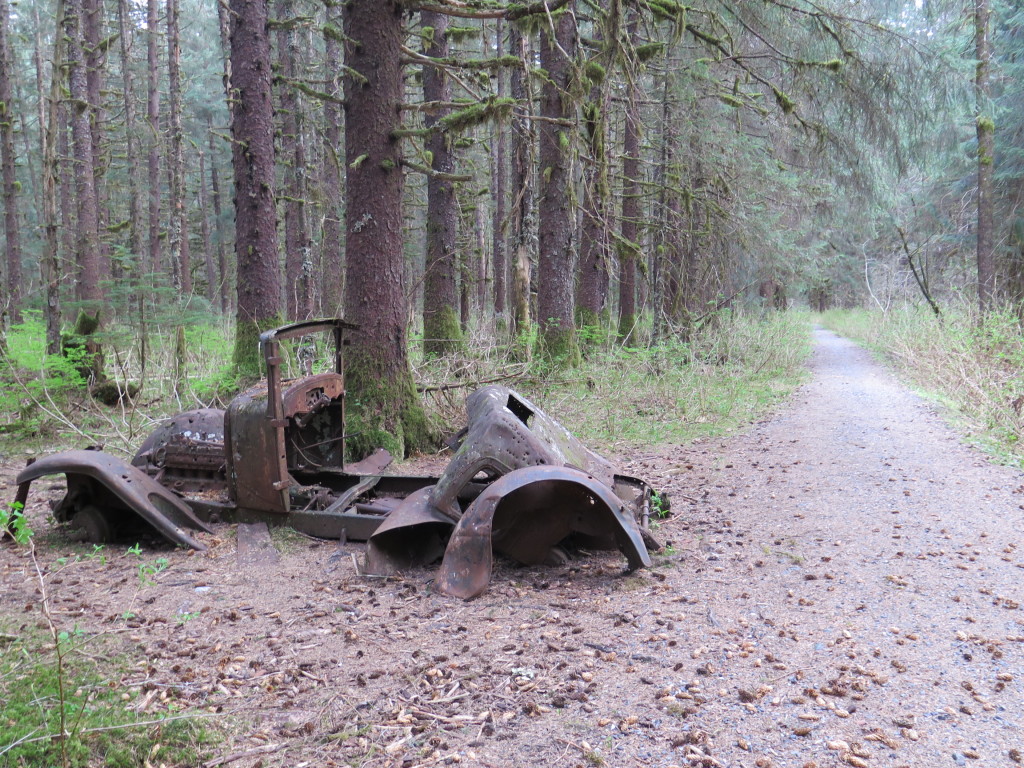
(842, 589)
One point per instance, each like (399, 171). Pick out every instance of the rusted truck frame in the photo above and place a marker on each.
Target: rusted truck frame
(519, 483)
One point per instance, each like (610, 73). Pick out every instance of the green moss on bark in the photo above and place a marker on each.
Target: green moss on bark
(559, 346)
(442, 333)
(383, 410)
(246, 357)
(627, 329)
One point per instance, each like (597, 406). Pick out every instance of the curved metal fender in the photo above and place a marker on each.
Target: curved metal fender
(413, 534)
(134, 488)
(526, 513)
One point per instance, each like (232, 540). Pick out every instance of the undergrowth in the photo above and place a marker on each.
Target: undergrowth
(734, 368)
(973, 367)
(45, 402)
(728, 375)
(98, 728)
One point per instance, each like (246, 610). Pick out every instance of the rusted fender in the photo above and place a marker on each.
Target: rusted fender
(131, 487)
(526, 513)
(414, 533)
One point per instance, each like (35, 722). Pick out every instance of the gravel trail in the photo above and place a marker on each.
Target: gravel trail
(882, 571)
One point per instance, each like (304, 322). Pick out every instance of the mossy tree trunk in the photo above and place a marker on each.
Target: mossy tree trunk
(595, 242)
(522, 216)
(498, 177)
(252, 131)
(87, 225)
(556, 265)
(10, 184)
(154, 245)
(383, 406)
(629, 249)
(442, 332)
(297, 246)
(331, 289)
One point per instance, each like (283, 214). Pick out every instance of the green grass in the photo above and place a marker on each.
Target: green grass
(44, 402)
(973, 368)
(101, 730)
(676, 392)
(736, 369)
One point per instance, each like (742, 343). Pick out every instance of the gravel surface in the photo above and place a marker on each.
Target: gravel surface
(842, 588)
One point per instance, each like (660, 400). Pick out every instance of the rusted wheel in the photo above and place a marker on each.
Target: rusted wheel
(94, 524)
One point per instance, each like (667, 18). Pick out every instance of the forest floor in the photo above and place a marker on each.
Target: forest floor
(842, 586)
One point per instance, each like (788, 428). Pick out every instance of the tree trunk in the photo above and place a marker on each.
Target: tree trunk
(51, 172)
(95, 59)
(595, 242)
(178, 243)
(556, 265)
(153, 118)
(521, 215)
(442, 332)
(480, 231)
(985, 126)
(87, 225)
(629, 247)
(67, 179)
(126, 31)
(331, 260)
(297, 266)
(252, 131)
(224, 28)
(499, 175)
(386, 410)
(224, 281)
(204, 228)
(12, 303)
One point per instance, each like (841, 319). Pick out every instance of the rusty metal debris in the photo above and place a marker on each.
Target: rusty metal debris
(519, 483)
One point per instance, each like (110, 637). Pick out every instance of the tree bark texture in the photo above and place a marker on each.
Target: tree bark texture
(51, 172)
(522, 213)
(442, 332)
(204, 229)
(384, 404)
(331, 259)
(153, 118)
(555, 263)
(499, 176)
(252, 130)
(224, 280)
(126, 32)
(95, 59)
(297, 265)
(595, 240)
(87, 225)
(985, 126)
(629, 247)
(178, 242)
(8, 161)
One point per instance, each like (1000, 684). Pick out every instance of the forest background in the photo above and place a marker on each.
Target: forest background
(523, 192)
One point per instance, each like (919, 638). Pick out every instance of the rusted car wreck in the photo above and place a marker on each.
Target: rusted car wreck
(518, 484)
